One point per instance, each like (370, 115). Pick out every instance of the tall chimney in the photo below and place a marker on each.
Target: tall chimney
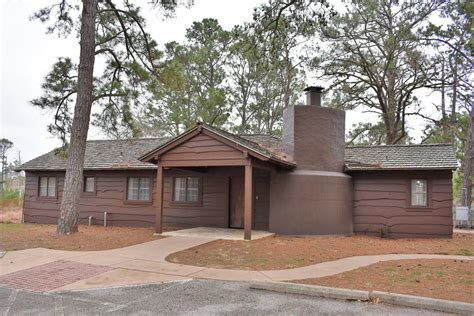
(313, 95)
(313, 135)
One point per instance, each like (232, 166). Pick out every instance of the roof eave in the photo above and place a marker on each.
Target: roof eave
(152, 167)
(399, 169)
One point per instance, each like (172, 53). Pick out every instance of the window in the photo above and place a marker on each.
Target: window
(89, 184)
(186, 189)
(47, 186)
(419, 193)
(138, 189)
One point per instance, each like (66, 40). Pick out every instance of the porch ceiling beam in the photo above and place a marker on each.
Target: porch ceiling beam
(248, 201)
(204, 163)
(192, 169)
(263, 165)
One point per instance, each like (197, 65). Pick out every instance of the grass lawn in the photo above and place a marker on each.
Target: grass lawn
(23, 236)
(444, 279)
(10, 207)
(284, 252)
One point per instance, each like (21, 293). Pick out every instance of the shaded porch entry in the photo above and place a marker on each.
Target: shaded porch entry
(213, 197)
(207, 177)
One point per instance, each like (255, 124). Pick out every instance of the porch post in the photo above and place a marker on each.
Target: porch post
(248, 201)
(159, 200)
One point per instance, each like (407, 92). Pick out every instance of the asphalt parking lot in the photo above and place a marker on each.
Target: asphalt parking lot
(193, 297)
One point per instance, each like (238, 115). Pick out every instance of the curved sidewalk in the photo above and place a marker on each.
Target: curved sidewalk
(145, 263)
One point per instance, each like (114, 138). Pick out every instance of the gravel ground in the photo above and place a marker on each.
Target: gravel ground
(286, 252)
(89, 238)
(196, 297)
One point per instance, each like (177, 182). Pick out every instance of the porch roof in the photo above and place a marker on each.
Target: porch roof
(271, 152)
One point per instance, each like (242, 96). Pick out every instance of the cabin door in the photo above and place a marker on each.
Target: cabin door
(236, 202)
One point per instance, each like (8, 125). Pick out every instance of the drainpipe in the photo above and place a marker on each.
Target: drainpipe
(90, 220)
(105, 218)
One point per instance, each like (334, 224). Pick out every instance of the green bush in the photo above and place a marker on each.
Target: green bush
(10, 198)
(10, 194)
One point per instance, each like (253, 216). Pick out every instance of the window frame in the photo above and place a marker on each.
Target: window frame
(47, 197)
(150, 195)
(86, 193)
(428, 195)
(186, 203)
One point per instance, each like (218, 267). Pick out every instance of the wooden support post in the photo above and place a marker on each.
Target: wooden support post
(159, 200)
(248, 204)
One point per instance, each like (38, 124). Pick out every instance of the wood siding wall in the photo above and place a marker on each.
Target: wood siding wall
(110, 196)
(214, 208)
(382, 204)
(202, 150)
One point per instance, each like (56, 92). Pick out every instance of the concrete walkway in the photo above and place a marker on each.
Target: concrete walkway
(145, 263)
(217, 233)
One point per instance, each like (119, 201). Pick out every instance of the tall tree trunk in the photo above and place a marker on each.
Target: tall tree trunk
(69, 212)
(391, 129)
(454, 97)
(468, 168)
(443, 92)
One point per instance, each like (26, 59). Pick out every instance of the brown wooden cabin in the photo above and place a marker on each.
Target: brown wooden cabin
(304, 183)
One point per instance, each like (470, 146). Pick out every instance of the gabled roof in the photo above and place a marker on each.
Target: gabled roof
(125, 154)
(401, 157)
(240, 142)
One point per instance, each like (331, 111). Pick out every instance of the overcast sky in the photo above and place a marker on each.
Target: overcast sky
(27, 54)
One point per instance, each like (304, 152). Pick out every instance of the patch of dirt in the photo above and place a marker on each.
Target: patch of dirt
(24, 236)
(443, 279)
(284, 252)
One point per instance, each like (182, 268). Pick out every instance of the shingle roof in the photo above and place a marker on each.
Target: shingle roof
(401, 157)
(103, 154)
(267, 145)
(124, 154)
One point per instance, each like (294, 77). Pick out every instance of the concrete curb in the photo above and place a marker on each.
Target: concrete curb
(312, 290)
(424, 302)
(385, 297)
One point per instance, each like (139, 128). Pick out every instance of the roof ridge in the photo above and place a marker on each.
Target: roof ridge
(260, 134)
(128, 139)
(401, 145)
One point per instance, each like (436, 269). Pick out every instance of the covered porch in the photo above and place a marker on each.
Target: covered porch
(207, 178)
(218, 233)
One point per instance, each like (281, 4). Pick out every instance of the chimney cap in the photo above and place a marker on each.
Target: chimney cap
(314, 89)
